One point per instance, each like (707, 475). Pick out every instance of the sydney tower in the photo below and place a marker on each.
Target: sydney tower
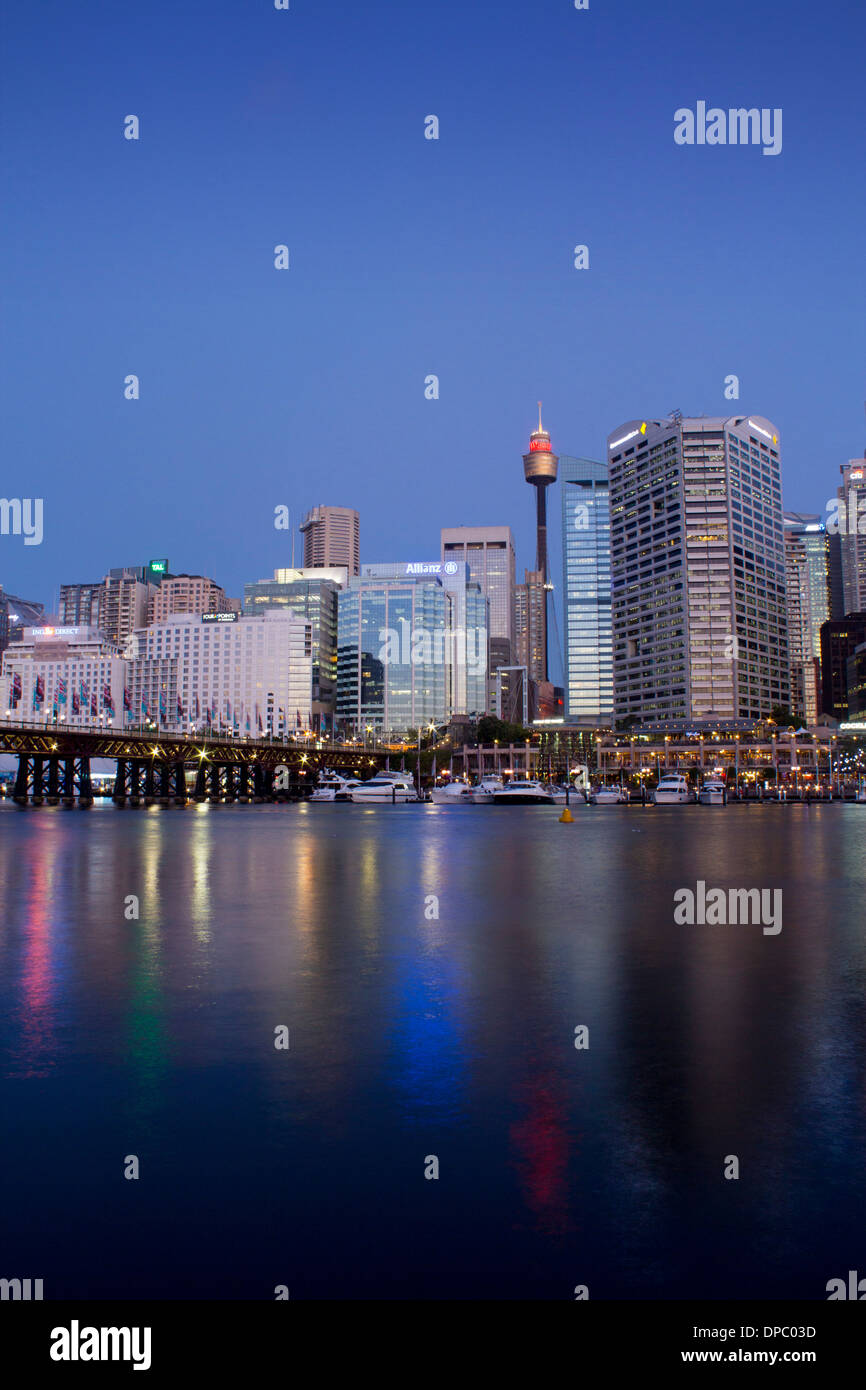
(539, 469)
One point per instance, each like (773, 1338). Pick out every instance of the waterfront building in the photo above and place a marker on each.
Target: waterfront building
(66, 675)
(539, 470)
(850, 525)
(839, 642)
(489, 553)
(252, 675)
(311, 594)
(185, 593)
(332, 537)
(117, 604)
(697, 569)
(588, 639)
(81, 604)
(412, 646)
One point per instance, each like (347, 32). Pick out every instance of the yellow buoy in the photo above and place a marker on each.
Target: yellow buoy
(566, 818)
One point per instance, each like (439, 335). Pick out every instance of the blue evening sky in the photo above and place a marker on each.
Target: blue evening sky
(408, 257)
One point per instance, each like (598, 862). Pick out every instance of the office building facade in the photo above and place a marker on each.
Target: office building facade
(839, 642)
(489, 553)
(66, 675)
(807, 578)
(185, 593)
(851, 515)
(412, 647)
(697, 569)
(332, 537)
(588, 637)
(311, 594)
(530, 624)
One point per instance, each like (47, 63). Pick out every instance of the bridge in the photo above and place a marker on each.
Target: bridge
(151, 767)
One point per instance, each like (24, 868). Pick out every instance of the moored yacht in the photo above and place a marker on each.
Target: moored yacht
(452, 794)
(331, 786)
(672, 789)
(607, 796)
(713, 792)
(484, 791)
(386, 786)
(523, 793)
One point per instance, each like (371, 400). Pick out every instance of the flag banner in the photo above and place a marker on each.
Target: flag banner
(258, 720)
(38, 692)
(76, 703)
(162, 704)
(144, 708)
(127, 699)
(107, 698)
(228, 711)
(196, 709)
(83, 692)
(16, 687)
(94, 708)
(179, 708)
(297, 719)
(61, 691)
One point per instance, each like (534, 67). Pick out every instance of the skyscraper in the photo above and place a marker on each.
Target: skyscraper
(851, 497)
(588, 657)
(539, 469)
(807, 575)
(697, 569)
(489, 553)
(530, 624)
(185, 593)
(332, 536)
(311, 594)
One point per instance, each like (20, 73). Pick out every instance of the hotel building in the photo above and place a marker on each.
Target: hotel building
(66, 675)
(220, 670)
(311, 594)
(697, 569)
(185, 593)
(851, 496)
(807, 576)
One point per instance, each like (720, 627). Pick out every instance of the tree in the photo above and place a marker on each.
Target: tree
(783, 717)
(493, 730)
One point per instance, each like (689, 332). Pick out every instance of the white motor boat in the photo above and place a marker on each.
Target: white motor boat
(565, 796)
(332, 787)
(713, 792)
(523, 793)
(672, 789)
(607, 796)
(453, 794)
(386, 786)
(485, 790)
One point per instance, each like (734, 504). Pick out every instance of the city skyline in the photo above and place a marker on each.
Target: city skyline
(250, 376)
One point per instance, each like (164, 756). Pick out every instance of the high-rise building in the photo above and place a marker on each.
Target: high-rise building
(697, 569)
(117, 604)
(489, 553)
(412, 646)
(588, 657)
(807, 573)
(311, 594)
(851, 498)
(185, 593)
(332, 537)
(857, 685)
(530, 626)
(220, 670)
(15, 615)
(81, 605)
(539, 469)
(839, 642)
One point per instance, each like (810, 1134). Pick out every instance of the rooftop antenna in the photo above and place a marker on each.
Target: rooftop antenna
(293, 544)
(540, 427)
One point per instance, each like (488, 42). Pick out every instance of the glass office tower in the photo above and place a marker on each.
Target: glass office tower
(311, 594)
(411, 647)
(588, 658)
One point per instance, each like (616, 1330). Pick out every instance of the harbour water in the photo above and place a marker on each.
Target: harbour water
(413, 1035)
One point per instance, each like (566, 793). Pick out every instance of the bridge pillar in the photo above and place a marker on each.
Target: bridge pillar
(22, 780)
(53, 781)
(134, 782)
(215, 783)
(68, 782)
(149, 789)
(230, 781)
(119, 794)
(164, 784)
(85, 786)
(37, 797)
(200, 792)
(179, 770)
(244, 783)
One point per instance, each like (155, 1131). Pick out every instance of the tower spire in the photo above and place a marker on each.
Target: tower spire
(540, 427)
